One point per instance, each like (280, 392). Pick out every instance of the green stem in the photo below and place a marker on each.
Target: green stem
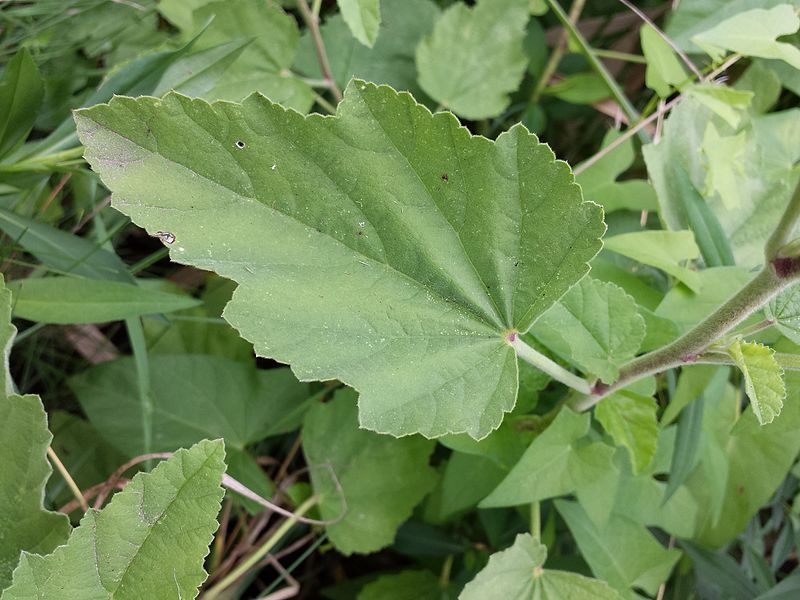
(47, 162)
(599, 68)
(558, 52)
(256, 557)
(615, 55)
(312, 22)
(536, 521)
(755, 328)
(140, 359)
(541, 362)
(785, 228)
(690, 347)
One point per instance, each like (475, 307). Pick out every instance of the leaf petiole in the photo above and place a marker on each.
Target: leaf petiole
(541, 362)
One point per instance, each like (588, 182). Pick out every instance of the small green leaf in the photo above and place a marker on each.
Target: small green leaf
(622, 552)
(763, 378)
(21, 95)
(192, 397)
(630, 419)
(665, 250)
(384, 201)
(24, 470)
(556, 463)
(582, 88)
(474, 58)
(374, 480)
(64, 251)
(406, 585)
(516, 573)
(600, 325)
(67, 300)
(664, 70)
(754, 33)
(729, 103)
(152, 537)
(363, 17)
(784, 310)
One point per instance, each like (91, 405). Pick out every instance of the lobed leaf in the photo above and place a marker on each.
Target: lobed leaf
(517, 574)
(474, 58)
(763, 378)
(784, 310)
(384, 247)
(149, 542)
(630, 419)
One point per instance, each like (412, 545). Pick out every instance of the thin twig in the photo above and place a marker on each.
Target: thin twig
(692, 67)
(312, 22)
(557, 53)
(76, 491)
(52, 195)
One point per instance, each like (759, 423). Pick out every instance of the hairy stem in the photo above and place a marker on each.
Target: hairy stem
(311, 20)
(541, 362)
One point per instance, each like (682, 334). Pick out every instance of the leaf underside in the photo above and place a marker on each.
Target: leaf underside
(385, 247)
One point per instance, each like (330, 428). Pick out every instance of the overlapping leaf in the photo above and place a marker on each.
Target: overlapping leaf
(474, 58)
(517, 574)
(152, 537)
(368, 483)
(385, 247)
(784, 310)
(24, 470)
(763, 378)
(630, 419)
(363, 17)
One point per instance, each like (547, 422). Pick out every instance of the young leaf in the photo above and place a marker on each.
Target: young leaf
(363, 17)
(664, 69)
(664, 250)
(151, 537)
(385, 247)
(754, 33)
(630, 419)
(623, 552)
(21, 95)
(516, 573)
(192, 397)
(556, 463)
(24, 523)
(784, 310)
(376, 479)
(763, 378)
(391, 60)
(474, 58)
(67, 300)
(600, 325)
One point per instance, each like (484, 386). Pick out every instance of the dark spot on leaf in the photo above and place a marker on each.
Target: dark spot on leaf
(240, 144)
(359, 233)
(516, 263)
(445, 178)
(740, 489)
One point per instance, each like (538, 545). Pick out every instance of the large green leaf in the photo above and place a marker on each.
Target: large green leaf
(149, 542)
(560, 460)
(763, 378)
(363, 17)
(24, 524)
(623, 552)
(373, 480)
(192, 397)
(754, 33)
(630, 419)
(21, 95)
(597, 323)
(517, 574)
(368, 246)
(67, 300)
(406, 585)
(474, 58)
(391, 60)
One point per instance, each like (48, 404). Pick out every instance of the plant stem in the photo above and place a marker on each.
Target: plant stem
(755, 328)
(312, 22)
(76, 491)
(254, 558)
(558, 52)
(541, 362)
(616, 55)
(536, 521)
(778, 273)
(599, 68)
(140, 359)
